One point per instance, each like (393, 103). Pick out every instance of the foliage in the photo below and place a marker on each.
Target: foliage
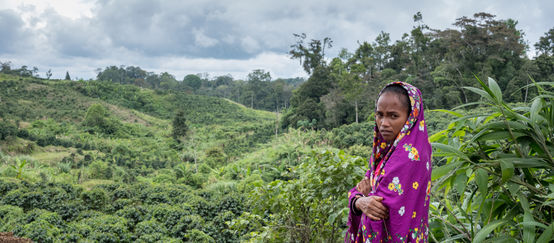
(179, 125)
(496, 182)
(310, 207)
(439, 62)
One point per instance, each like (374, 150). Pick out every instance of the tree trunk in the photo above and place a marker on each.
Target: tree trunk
(356, 105)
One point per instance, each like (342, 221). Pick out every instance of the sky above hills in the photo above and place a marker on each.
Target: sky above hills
(220, 37)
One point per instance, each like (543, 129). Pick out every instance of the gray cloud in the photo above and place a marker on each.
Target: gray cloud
(14, 36)
(213, 32)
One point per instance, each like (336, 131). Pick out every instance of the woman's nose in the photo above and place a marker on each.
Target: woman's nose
(385, 122)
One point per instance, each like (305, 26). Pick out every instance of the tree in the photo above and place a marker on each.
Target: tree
(180, 127)
(67, 77)
(48, 73)
(192, 81)
(312, 55)
(258, 81)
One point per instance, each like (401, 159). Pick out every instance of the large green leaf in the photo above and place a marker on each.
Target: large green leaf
(528, 229)
(482, 93)
(460, 183)
(527, 162)
(497, 135)
(485, 231)
(495, 89)
(507, 170)
(443, 170)
(448, 111)
(482, 178)
(450, 149)
(546, 236)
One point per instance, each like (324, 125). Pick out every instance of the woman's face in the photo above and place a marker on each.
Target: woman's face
(391, 115)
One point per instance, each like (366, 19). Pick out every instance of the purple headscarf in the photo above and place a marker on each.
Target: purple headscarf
(400, 173)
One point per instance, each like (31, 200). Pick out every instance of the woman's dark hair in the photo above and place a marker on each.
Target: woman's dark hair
(401, 92)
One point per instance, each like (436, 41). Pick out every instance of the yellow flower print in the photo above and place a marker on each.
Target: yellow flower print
(421, 125)
(413, 215)
(415, 185)
(349, 194)
(413, 154)
(383, 172)
(395, 186)
(383, 145)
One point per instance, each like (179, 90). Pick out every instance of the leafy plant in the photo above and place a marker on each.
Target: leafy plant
(19, 165)
(497, 179)
(312, 206)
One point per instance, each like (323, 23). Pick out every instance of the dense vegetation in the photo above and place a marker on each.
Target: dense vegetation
(439, 62)
(147, 158)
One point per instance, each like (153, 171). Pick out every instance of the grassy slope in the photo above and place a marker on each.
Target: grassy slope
(57, 107)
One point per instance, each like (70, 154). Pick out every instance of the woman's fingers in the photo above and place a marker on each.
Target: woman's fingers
(373, 217)
(373, 208)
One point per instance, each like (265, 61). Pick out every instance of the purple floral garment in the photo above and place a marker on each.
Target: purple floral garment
(402, 176)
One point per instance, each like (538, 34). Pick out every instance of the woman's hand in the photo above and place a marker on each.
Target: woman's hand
(372, 207)
(364, 186)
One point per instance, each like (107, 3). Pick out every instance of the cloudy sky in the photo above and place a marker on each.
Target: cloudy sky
(219, 37)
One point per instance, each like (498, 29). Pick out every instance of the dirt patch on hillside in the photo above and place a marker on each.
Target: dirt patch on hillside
(7, 237)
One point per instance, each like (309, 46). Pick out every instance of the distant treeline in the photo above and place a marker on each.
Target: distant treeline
(258, 91)
(343, 90)
(439, 62)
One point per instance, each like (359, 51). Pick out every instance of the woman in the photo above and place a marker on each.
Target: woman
(392, 203)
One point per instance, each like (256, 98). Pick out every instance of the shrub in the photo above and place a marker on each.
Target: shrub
(496, 179)
(41, 231)
(150, 227)
(195, 235)
(94, 199)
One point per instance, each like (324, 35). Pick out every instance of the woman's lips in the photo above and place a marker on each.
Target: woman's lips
(386, 133)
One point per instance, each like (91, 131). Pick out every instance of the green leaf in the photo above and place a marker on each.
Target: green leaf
(485, 231)
(448, 111)
(501, 125)
(333, 216)
(546, 236)
(527, 162)
(449, 148)
(507, 170)
(443, 170)
(535, 109)
(528, 230)
(460, 183)
(482, 178)
(482, 93)
(499, 135)
(495, 89)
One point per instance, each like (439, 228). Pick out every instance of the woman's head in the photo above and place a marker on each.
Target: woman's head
(393, 109)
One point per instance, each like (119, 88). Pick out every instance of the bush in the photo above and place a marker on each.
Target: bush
(107, 228)
(149, 228)
(94, 199)
(41, 231)
(354, 134)
(497, 170)
(7, 130)
(198, 236)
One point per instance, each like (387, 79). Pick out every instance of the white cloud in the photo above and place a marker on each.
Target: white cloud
(201, 39)
(220, 37)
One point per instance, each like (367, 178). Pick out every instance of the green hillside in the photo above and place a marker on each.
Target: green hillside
(51, 154)
(96, 161)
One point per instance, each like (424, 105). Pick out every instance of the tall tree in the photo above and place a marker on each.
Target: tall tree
(67, 77)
